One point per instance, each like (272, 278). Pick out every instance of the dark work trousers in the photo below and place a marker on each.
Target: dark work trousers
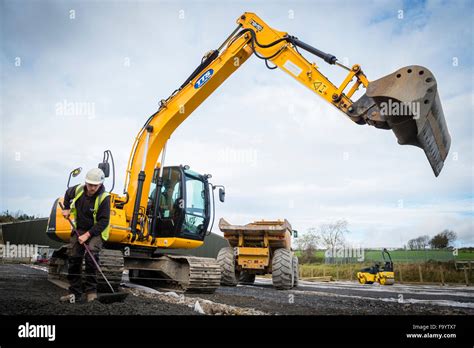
(76, 253)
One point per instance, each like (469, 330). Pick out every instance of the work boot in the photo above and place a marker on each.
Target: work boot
(71, 298)
(91, 296)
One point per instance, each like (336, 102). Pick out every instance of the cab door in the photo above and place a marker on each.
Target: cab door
(170, 212)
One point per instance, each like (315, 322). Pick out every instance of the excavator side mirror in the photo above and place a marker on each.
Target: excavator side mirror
(222, 194)
(105, 167)
(73, 174)
(295, 234)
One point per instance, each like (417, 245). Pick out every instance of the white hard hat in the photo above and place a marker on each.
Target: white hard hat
(95, 176)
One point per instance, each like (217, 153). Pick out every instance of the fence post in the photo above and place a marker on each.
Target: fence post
(421, 275)
(351, 269)
(466, 276)
(401, 274)
(337, 272)
(442, 274)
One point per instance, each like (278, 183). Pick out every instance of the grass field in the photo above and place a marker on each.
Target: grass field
(409, 256)
(433, 272)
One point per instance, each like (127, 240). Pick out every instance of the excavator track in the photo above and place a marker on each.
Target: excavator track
(57, 265)
(110, 261)
(204, 274)
(185, 273)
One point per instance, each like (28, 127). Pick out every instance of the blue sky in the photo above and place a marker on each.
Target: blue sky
(280, 150)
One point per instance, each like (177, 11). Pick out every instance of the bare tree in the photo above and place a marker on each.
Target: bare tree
(332, 234)
(412, 245)
(418, 243)
(423, 241)
(308, 243)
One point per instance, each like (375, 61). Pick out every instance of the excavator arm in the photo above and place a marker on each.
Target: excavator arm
(406, 101)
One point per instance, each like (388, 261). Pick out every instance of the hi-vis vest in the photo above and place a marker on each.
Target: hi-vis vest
(98, 201)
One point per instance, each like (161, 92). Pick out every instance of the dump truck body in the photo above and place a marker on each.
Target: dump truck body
(255, 242)
(261, 247)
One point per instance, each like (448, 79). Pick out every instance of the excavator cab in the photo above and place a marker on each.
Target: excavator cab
(183, 204)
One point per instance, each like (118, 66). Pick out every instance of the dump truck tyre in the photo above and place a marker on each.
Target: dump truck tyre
(247, 278)
(226, 260)
(282, 269)
(296, 271)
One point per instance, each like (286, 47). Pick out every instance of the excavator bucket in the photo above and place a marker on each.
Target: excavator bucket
(409, 104)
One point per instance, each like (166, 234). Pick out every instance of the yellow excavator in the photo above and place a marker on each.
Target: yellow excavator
(169, 207)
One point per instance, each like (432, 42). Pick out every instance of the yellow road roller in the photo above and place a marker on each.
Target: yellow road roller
(383, 275)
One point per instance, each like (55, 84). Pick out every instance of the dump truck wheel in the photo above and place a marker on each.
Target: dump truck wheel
(226, 260)
(296, 272)
(247, 278)
(282, 269)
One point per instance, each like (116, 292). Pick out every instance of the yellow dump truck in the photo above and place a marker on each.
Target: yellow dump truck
(260, 247)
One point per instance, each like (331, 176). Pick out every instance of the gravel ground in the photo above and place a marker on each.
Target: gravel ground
(309, 301)
(26, 291)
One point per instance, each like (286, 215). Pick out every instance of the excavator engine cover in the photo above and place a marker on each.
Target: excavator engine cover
(408, 103)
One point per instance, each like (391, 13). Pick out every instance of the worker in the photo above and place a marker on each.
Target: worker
(89, 204)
